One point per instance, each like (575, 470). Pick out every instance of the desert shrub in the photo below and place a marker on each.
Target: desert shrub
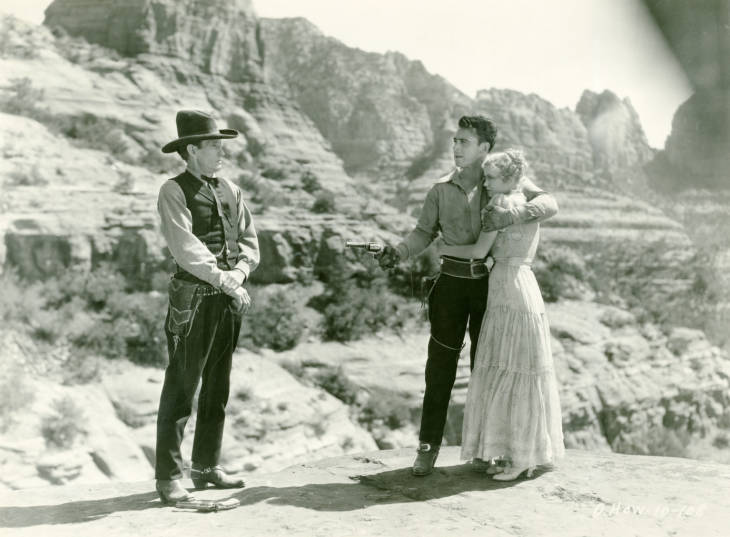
(15, 394)
(721, 441)
(561, 272)
(275, 322)
(156, 161)
(19, 301)
(318, 428)
(93, 288)
(254, 146)
(358, 302)
(141, 317)
(244, 394)
(33, 177)
(261, 190)
(663, 285)
(359, 312)
(334, 381)
(324, 202)
(310, 182)
(18, 40)
(392, 408)
(274, 172)
(294, 368)
(656, 440)
(94, 312)
(23, 98)
(723, 422)
(131, 326)
(94, 132)
(61, 428)
(81, 368)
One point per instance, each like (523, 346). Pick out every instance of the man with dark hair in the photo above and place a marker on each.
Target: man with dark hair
(210, 234)
(456, 207)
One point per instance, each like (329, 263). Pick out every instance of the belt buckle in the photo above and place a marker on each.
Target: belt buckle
(472, 266)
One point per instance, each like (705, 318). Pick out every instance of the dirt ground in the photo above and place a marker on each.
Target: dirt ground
(375, 494)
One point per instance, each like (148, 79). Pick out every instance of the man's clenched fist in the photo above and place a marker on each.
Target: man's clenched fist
(241, 301)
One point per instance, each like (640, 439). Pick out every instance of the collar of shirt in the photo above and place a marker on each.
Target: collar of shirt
(455, 177)
(213, 181)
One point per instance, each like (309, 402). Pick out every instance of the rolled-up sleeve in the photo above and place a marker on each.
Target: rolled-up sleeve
(248, 242)
(176, 224)
(426, 229)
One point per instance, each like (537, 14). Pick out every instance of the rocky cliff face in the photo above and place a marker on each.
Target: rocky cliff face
(219, 37)
(696, 154)
(381, 112)
(618, 143)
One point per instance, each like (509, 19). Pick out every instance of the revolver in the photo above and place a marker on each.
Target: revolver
(370, 247)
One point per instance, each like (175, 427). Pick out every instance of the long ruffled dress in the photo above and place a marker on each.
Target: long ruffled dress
(512, 407)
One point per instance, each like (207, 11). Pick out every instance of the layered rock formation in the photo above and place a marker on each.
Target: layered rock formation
(219, 37)
(381, 112)
(621, 382)
(619, 146)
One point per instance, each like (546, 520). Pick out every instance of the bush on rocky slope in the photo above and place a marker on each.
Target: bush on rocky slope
(96, 313)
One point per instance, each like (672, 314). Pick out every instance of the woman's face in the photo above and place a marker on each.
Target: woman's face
(494, 181)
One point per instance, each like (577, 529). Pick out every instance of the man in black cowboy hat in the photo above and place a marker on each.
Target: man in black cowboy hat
(210, 233)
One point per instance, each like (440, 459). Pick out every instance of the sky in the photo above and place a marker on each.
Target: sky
(556, 49)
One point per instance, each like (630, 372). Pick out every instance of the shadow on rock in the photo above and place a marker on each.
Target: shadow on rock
(75, 512)
(395, 486)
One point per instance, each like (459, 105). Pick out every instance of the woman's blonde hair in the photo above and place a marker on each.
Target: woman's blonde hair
(510, 164)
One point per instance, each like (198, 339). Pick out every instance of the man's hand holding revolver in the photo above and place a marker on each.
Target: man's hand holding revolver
(388, 258)
(386, 255)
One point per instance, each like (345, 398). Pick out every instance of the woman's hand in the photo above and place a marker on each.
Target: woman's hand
(438, 245)
(495, 218)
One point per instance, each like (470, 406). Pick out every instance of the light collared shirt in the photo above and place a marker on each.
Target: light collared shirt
(456, 213)
(190, 253)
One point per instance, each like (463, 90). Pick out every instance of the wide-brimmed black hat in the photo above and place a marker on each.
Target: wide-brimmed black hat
(193, 126)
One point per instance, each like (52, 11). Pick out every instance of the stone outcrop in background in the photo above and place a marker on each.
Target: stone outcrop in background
(381, 112)
(220, 38)
(696, 152)
(619, 146)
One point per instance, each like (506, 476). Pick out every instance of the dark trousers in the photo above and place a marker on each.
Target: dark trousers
(454, 304)
(204, 352)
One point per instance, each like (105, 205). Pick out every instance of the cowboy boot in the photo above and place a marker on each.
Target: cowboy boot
(425, 459)
(171, 491)
(215, 476)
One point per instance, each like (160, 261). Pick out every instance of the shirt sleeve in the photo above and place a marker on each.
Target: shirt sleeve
(176, 224)
(539, 207)
(248, 242)
(426, 229)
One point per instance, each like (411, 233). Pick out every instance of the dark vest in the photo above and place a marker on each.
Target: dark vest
(220, 235)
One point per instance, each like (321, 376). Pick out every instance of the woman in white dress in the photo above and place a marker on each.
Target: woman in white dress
(512, 409)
